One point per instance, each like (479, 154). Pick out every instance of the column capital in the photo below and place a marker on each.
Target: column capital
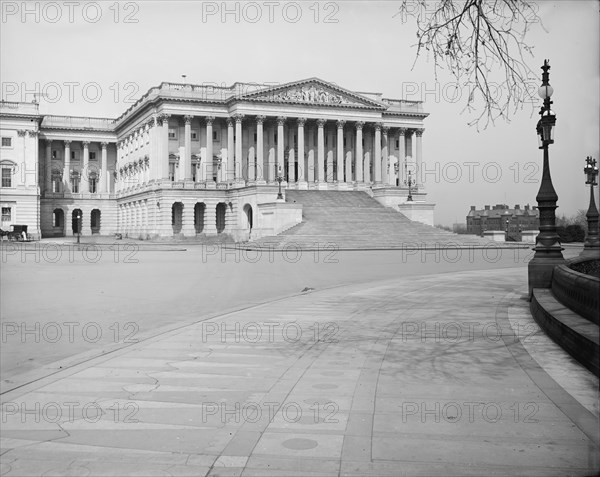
(86, 144)
(359, 125)
(377, 126)
(238, 118)
(301, 121)
(419, 132)
(230, 122)
(321, 122)
(104, 144)
(340, 123)
(22, 132)
(188, 119)
(48, 142)
(281, 120)
(385, 130)
(209, 120)
(67, 142)
(402, 131)
(153, 121)
(164, 119)
(260, 119)
(33, 133)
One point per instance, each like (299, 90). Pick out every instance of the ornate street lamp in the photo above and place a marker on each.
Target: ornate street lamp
(279, 180)
(409, 182)
(592, 241)
(548, 251)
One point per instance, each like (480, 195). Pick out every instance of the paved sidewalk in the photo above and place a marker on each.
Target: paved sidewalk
(432, 375)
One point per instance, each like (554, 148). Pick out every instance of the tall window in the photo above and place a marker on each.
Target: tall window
(93, 184)
(56, 181)
(172, 171)
(6, 214)
(172, 133)
(7, 177)
(75, 183)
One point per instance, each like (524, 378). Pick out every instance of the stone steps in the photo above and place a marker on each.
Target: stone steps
(352, 219)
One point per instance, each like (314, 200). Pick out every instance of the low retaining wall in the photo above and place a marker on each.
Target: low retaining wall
(577, 291)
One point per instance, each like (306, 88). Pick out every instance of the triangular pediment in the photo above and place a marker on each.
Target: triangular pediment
(313, 91)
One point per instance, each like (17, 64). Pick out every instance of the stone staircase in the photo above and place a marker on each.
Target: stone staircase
(354, 220)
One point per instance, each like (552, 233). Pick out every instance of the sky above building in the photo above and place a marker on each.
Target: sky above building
(97, 58)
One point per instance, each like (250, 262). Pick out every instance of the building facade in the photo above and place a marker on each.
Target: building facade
(186, 160)
(502, 219)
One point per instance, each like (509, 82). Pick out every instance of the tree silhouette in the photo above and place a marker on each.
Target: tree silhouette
(482, 44)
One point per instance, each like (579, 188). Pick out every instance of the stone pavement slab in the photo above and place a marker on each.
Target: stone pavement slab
(435, 375)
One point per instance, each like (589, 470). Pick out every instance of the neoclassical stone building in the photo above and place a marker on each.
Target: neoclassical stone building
(200, 159)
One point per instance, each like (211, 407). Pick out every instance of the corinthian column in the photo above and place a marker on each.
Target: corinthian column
(280, 142)
(85, 179)
(419, 133)
(230, 151)
(340, 151)
(358, 170)
(67, 167)
(377, 154)
(320, 151)
(385, 168)
(302, 177)
(187, 158)
(48, 166)
(208, 162)
(260, 164)
(238, 147)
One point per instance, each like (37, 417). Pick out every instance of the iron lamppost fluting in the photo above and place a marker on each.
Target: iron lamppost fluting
(548, 250)
(592, 241)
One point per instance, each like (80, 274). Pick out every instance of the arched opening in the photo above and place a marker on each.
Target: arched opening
(221, 211)
(58, 223)
(95, 221)
(199, 209)
(76, 221)
(177, 217)
(248, 216)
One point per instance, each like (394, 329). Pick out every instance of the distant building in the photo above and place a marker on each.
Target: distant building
(500, 217)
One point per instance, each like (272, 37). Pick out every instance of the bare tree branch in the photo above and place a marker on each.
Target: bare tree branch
(482, 44)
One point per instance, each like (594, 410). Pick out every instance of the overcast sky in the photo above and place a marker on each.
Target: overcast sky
(114, 52)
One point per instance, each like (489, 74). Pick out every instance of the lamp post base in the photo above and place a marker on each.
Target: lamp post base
(540, 271)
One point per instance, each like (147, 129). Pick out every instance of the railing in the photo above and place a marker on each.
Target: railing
(76, 122)
(577, 291)
(18, 107)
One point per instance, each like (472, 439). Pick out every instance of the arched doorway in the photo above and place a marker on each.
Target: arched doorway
(58, 223)
(95, 221)
(248, 216)
(199, 210)
(77, 221)
(221, 212)
(177, 217)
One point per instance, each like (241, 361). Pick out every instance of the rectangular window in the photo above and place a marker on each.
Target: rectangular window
(75, 185)
(93, 182)
(254, 137)
(6, 177)
(92, 155)
(6, 214)
(56, 182)
(195, 135)
(397, 143)
(172, 133)
(216, 135)
(172, 171)
(54, 154)
(7, 142)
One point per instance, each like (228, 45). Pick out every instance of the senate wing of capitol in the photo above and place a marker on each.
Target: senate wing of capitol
(192, 160)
